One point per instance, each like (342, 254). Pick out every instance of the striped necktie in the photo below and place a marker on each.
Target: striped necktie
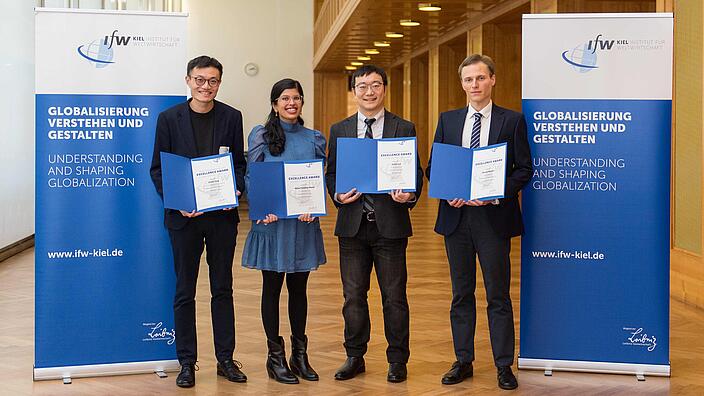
(367, 200)
(476, 130)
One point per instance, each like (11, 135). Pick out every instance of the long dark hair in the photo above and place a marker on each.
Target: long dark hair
(274, 135)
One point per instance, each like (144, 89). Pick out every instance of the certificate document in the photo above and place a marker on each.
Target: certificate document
(488, 172)
(396, 164)
(305, 189)
(213, 182)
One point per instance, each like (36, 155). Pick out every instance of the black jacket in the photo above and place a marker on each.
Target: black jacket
(506, 126)
(174, 134)
(392, 218)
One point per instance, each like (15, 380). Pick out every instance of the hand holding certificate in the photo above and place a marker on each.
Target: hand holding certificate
(199, 184)
(376, 165)
(396, 165)
(488, 172)
(305, 190)
(468, 174)
(286, 189)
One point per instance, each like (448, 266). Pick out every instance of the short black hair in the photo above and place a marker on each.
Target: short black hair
(203, 61)
(367, 70)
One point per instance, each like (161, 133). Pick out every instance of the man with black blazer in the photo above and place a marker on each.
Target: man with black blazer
(483, 228)
(373, 231)
(200, 127)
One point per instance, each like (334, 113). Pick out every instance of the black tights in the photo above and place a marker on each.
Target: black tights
(296, 283)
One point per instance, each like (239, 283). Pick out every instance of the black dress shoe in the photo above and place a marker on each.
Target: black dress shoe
(506, 378)
(187, 377)
(397, 372)
(230, 369)
(351, 367)
(458, 373)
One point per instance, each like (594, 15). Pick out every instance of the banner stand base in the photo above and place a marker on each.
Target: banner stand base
(67, 373)
(639, 370)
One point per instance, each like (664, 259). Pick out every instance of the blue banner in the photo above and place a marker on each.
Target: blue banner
(104, 275)
(104, 278)
(595, 257)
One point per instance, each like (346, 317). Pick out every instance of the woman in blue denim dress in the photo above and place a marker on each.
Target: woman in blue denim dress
(285, 248)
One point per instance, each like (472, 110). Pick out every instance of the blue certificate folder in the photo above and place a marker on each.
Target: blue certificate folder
(266, 193)
(357, 165)
(177, 182)
(451, 171)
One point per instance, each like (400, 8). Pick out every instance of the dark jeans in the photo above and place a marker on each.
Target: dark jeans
(296, 283)
(388, 257)
(219, 235)
(475, 237)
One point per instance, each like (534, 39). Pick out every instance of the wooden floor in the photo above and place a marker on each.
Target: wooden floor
(429, 294)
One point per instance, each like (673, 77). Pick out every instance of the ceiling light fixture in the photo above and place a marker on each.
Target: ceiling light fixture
(371, 51)
(356, 63)
(364, 58)
(429, 7)
(408, 22)
(382, 44)
(350, 68)
(394, 35)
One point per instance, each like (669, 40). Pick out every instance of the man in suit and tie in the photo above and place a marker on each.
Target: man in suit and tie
(483, 228)
(373, 231)
(200, 127)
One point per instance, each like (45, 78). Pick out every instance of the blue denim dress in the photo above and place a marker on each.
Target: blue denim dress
(287, 245)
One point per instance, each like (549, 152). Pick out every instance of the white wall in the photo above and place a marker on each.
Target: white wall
(16, 121)
(277, 35)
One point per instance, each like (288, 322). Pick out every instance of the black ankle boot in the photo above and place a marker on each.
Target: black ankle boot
(276, 365)
(299, 359)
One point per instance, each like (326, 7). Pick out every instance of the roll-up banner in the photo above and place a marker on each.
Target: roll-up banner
(597, 95)
(103, 266)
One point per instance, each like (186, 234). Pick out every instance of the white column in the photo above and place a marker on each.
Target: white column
(17, 126)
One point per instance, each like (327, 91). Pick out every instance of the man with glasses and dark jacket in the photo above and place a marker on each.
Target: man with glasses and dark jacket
(201, 127)
(373, 231)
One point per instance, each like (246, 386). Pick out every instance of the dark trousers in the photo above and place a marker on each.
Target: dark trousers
(475, 237)
(296, 283)
(219, 235)
(388, 256)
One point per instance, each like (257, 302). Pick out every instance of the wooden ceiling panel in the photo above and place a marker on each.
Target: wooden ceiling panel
(373, 18)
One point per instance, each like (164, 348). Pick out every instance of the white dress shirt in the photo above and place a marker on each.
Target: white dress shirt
(377, 126)
(484, 131)
(469, 123)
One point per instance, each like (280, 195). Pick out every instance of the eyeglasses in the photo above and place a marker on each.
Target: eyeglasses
(295, 99)
(363, 87)
(213, 82)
